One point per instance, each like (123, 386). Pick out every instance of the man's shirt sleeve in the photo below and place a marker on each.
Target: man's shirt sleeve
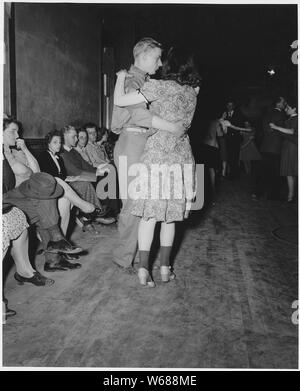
(136, 115)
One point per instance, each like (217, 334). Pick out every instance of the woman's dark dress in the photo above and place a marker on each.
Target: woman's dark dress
(289, 152)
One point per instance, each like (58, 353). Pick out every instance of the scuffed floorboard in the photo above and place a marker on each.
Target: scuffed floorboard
(230, 306)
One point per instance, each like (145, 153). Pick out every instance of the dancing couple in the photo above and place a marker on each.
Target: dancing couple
(152, 117)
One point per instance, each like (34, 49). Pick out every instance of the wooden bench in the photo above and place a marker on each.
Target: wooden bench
(36, 146)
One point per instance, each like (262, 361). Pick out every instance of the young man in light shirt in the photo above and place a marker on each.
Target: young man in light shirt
(134, 125)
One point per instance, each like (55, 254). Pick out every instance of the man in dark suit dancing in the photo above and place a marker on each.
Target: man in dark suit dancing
(271, 151)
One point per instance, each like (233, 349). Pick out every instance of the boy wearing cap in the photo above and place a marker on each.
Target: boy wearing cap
(37, 198)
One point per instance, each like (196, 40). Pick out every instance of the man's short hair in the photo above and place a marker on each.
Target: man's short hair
(90, 125)
(277, 99)
(67, 128)
(144, 45)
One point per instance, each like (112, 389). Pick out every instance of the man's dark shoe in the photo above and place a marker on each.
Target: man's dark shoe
(128, 270)
(38, 279)
(62, 246)
(54, 267)
(65, 263)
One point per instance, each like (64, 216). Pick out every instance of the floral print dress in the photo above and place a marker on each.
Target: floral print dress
(13, 224)
(168, 182)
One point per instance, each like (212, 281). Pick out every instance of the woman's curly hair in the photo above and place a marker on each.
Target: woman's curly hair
(49, 136)
(180, 66)
(7, 120)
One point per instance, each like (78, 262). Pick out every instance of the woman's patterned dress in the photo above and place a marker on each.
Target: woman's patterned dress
(165, 196)
(13, 224)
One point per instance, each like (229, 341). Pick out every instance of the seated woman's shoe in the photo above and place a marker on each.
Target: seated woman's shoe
(106, 220)
(7, 312)
(46, 280)
(63, 246)
(166, 274)
(145, 278)
(65, 263)
(37, 279)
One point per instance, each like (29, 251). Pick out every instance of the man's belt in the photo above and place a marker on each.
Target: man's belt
(136, 129)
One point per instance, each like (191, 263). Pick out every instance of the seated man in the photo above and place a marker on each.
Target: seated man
(95, 153)
(81, 144)
(37, 198)
(75, 165)
(15, 239)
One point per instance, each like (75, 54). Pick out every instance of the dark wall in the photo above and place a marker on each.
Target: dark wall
(118, 32)
(6, 67)
(57, 65)
(58, 53)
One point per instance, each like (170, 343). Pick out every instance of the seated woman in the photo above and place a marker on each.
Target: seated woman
(86, 174)
(85, 135)
(14, 233)
(106, 143)
(94, 149)
(51, 162)
(173, 99)
(24, 164)
(81, 144)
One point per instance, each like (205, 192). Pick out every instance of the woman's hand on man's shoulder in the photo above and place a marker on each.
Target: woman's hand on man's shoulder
(123, 73)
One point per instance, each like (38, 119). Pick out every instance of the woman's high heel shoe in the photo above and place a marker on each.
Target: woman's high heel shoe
(7, 312)
(145, 278)
(166, 274)
(37, 279)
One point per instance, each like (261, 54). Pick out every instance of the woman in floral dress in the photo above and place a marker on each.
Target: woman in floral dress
(174, 99)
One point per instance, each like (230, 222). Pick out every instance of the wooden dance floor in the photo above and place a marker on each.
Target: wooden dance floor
(230, 306)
